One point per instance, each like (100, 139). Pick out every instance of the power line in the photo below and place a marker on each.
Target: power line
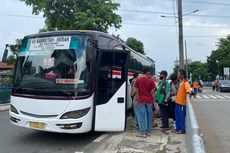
(209, 3)
(204, 2)
(143, 24)
(135, 11)
(25, 16)
(168, 13)
(168, 25)
(199, 2)
(191, 48)
(141, 11)
(207, 36)
(210, 16)
(174, 13)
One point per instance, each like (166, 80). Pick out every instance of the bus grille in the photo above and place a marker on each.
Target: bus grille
(38, 116)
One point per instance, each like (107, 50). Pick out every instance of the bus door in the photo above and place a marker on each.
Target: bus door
(111, 90)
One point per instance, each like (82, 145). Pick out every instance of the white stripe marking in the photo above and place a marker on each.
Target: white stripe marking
(214, 100)
(100, 138)
(213, 97)
(227, 96)
(199, 97)
(220, 97)
(206, 97)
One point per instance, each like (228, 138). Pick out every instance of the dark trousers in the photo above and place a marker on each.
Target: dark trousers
(213, 88)
(172, 110)
(165, 115)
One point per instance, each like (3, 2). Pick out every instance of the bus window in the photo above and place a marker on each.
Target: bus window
(103, 42)
(42, 67)
(111, 75)
(115, 45)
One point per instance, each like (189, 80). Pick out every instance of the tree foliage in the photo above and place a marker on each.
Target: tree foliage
(77, 14)
(135, 45)
(14, 49)
(199, 71)
(219, 58)
(118, 37)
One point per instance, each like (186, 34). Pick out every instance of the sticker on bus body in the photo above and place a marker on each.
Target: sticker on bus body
(69, 81)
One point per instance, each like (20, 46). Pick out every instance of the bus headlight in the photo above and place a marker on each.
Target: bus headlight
(13, 109)
(75, 114)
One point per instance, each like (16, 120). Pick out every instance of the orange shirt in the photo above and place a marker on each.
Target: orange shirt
(195, 85)
(184, 88)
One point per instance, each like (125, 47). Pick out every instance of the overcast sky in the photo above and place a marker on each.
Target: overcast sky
(159, 35)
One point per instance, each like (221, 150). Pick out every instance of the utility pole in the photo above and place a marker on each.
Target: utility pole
(186, 58)
(180, 25)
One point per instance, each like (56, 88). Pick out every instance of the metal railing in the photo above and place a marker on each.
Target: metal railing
(194, 140)
(5, 92)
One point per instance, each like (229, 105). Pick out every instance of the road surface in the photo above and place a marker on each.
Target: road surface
(15, 139)
(213, 113)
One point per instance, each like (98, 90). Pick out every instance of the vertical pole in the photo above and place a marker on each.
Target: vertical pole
(186, 58)
(181, 46)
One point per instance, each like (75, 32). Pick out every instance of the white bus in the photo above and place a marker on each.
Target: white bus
(74, 82)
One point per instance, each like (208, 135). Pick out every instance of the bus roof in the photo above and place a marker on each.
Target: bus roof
(64, 32)
(91, 32)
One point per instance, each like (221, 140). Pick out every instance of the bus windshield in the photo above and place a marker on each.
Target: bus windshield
(53, 66)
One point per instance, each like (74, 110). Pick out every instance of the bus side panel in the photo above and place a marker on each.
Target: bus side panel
(104, 119)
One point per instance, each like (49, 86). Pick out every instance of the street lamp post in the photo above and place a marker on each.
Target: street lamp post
(218, 73)
(180, 26)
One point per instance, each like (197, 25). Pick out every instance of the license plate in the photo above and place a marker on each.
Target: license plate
(37, 125)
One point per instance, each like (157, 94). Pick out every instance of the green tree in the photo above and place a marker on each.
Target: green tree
(199, 70)
(135, 45)
(118, 37)
(11, 60)
(219, 58)
(77, 14)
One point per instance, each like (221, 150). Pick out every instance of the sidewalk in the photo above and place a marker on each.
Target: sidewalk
(4, 106)
(158, 142)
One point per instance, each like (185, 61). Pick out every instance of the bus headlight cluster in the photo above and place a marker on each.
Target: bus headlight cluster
(13, 109)
(75, 114)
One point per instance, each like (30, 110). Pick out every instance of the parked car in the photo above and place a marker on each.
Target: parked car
(223, 85)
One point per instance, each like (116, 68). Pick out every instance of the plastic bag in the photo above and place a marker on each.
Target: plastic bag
(157, 108)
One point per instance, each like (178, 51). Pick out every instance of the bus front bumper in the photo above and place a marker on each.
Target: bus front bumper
(81, 125)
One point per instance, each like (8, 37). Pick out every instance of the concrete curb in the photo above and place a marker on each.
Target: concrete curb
(4, 107)
(193, 135)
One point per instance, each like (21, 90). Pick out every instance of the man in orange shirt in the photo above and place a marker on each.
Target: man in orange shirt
(180, 108)
(195, 87)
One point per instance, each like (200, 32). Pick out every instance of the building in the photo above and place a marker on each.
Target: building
(5, 69)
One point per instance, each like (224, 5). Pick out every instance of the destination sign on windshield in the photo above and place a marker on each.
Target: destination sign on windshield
(50, 43)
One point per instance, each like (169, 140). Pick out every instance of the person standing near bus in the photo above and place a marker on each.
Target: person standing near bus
(145, 88)
(180, 109)
(174, 84)
(162, 99)
(134, 98)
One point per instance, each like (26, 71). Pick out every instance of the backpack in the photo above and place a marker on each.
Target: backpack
(162, 91)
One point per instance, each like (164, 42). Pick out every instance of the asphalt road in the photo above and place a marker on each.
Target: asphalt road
(15, 139)
(213, 113)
